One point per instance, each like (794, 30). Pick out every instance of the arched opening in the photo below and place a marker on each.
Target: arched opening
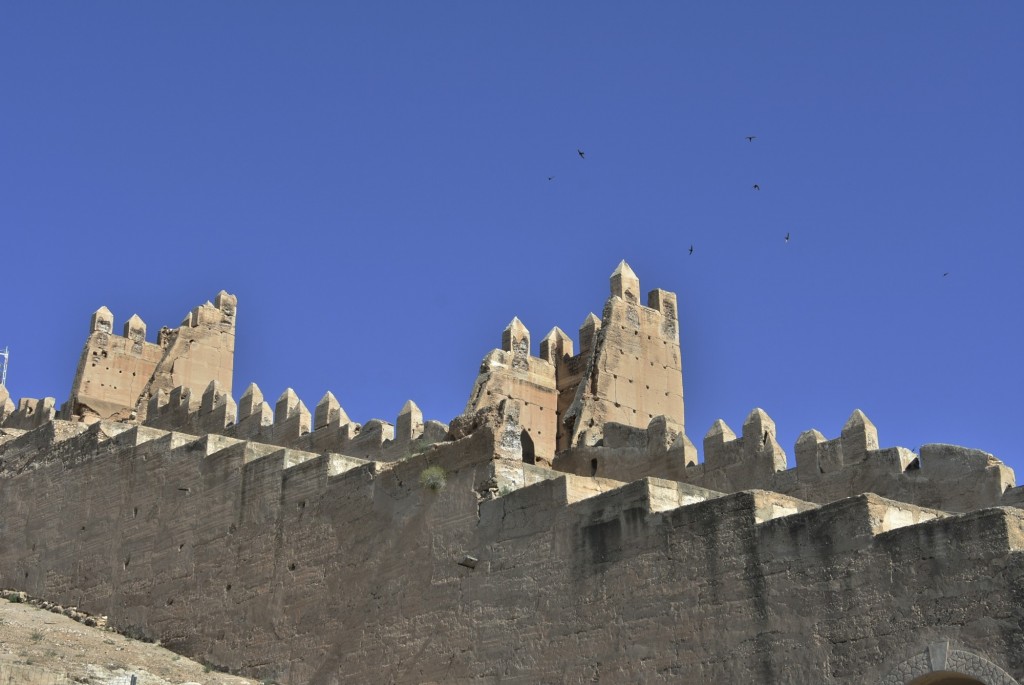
(946, 678)
(939, 665)
(529, 457)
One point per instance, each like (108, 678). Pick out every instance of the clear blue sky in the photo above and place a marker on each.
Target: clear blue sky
(371, 179)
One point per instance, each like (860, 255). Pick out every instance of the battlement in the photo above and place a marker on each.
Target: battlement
(29, 413)
(126, 519)
(627, 371)
(118, 375)
(291, 424)
(944, 477)
(565, 506)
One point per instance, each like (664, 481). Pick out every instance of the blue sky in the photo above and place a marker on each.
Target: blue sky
(371, 179)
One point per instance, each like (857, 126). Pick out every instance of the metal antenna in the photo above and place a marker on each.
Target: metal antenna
(3, 366)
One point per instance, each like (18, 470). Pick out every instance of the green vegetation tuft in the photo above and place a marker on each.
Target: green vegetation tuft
(433, 477)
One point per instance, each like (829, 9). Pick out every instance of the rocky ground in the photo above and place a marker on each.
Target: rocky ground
(40, 647)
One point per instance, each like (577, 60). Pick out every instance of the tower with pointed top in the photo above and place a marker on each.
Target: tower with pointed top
(513, 373)
(117, 375)
(628, 370)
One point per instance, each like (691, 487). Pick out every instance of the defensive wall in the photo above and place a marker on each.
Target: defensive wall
(300, 567)
(302, 547)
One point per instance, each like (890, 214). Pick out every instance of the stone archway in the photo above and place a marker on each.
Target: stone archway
(938, 664)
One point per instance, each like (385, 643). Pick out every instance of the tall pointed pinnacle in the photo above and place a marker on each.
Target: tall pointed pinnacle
(858, 437)
(588, 330)
(515, 337)
(135, 328)
(409, 424)
(719, 432)
(288, 405)
(251, 400)
(555, 345)
(625, 283)
(328, 411)
(758, 428)
(102, 321)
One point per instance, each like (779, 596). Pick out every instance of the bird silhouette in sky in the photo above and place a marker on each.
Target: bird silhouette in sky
(551, 178)
(750, 139)
(580, 153)
(691, 249)
(787, 237)
(757, 187)
(945, 274)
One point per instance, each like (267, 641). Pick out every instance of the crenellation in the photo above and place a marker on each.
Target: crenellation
(556, 346)
(664, 302)
(102, 321)
(328, 412)
(721, 447)
(625, 284)
(628, 453)
(516, 338)
(858, 437)
(514, 374)
(31, 413)
(806, 451)
(217, 410)
(370, 441)
(434, 432)
(291, 420)
(181, 398)
(157, 403)
(409, 426)
(251, 402)
(226, 303)
(634, 372)
(588, 333)
(759, 444)
(565, 507)
(118, 376)
(288, 406)
(135, 330)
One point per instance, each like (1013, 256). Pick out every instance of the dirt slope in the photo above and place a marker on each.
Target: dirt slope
(38, 647)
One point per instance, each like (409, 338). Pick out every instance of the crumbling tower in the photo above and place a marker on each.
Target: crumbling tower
(628, 371)
(117, 374)
(634, 371)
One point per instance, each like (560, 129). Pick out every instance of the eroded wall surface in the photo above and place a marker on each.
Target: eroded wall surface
(306, 568)
(628, 371)
(118, 374)
(947, 477)
(635, 370)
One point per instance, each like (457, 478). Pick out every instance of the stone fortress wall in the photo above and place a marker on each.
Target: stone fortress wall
(305, 548)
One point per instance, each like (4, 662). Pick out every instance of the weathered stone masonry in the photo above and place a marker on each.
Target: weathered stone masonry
(285, 545)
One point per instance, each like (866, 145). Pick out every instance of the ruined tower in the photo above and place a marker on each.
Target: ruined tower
(628, 371)
(117, 374)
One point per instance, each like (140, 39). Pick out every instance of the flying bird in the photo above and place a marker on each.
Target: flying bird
(787, 237)
(691, 249)
(551, 178)
(580, 153)
(945, 274)
(757, 187)
(750, 139)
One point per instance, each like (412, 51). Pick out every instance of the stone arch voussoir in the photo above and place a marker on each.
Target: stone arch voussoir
(939, 657)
